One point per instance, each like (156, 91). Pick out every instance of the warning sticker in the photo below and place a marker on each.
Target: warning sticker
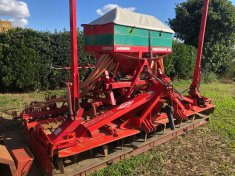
(57, 131)
(125, 105)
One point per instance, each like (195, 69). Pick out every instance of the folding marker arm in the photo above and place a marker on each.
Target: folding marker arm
(74, 57)
(194, 88)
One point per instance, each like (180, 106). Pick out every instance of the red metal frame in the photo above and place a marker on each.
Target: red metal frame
(18, 160)
(124, 101)
(128, 49)
(194, 89)
(74, 57)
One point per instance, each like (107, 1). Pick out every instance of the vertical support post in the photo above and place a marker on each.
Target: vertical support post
(194, 89)
(74, 57)
(150, 46)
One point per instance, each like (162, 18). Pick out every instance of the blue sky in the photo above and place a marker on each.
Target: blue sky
(53, 14)
(48, 15)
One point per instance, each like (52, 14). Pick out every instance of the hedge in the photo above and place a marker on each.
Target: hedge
(26, 57)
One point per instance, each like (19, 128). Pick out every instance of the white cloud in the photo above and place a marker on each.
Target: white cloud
(16, 10)
(109, 7)
(19, 22)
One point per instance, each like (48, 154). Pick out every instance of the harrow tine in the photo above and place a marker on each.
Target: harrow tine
(1, 139)
(134, 138)
(164, 129)
(180, 124)
(105, 148)
(145, 137)
(60, 164)
(91, 152)
(193, 118)
(75, 158)
(122, 144)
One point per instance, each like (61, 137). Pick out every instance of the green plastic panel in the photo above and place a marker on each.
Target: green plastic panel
(105, 39)
(124, 35)
(125, 30)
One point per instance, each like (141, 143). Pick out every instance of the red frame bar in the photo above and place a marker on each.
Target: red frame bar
(127, 49)
(197, 71)
(74, 56)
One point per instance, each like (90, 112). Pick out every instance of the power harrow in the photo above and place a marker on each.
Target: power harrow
(126, 98)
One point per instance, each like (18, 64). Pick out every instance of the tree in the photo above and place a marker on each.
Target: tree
(181, 63)
(220, 32)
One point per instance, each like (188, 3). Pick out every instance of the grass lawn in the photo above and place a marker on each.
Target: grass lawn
(208, 150)
(16, 102)
(223, 96)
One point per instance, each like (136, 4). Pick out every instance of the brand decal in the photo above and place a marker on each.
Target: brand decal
(162, 49)
(98, 119)
(123, 48)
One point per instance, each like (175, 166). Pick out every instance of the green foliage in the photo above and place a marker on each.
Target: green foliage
(209, 77)
(181, 63)
(26, 57)
(17, 62)
(230, 74)
(220, 33)
(217, 58)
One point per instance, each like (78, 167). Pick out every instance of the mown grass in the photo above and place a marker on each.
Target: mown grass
(16, 102)
(223, 96)
(222, 121)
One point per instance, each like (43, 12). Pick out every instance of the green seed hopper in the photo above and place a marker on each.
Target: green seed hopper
(123, 31)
